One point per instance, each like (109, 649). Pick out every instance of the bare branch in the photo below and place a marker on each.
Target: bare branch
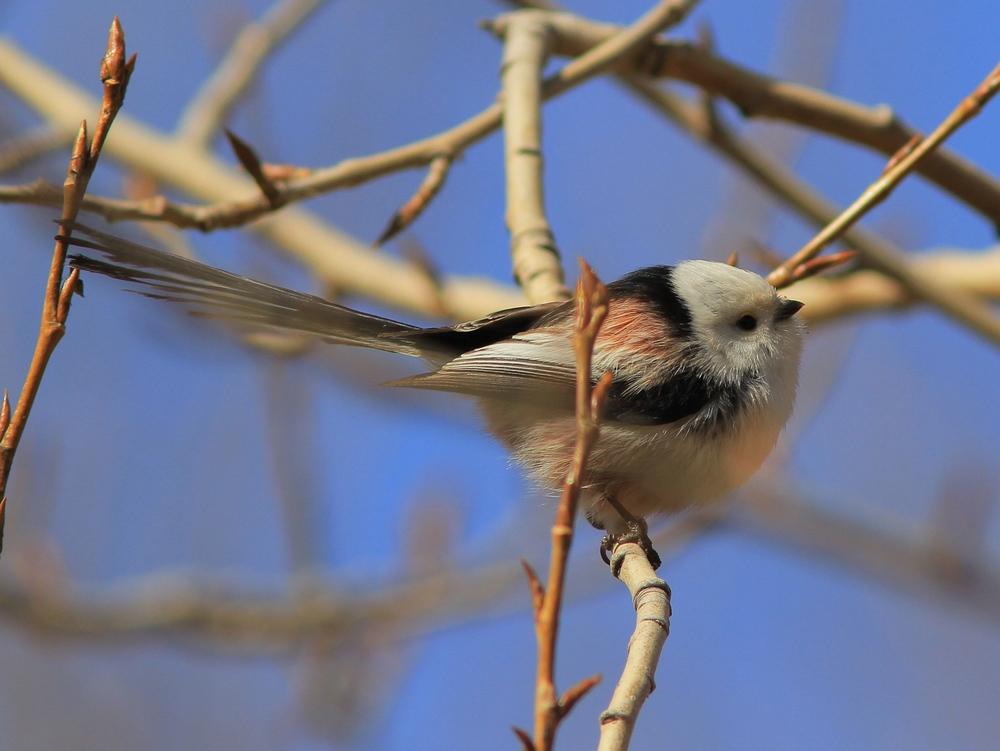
(208, 108)
(537, 589)
(591, 310)
(900, 165)
(757, 95)
(814, 207)
(408, 213)
(833, 298)
(251, 163)
(535, 257)
(574, 693)
(522, 735)
(115, 72)
(651, 598)
(19, 74)
(969, 311)
(334, 257)
(232, 619)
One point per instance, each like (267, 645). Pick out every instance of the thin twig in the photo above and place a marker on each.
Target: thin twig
(251, 163)
(836, 298)
(115, 72)
(207, 110)
(900, 165)
(407, 214)
(591, 310)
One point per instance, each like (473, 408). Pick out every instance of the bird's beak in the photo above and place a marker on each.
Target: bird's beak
(788, 308)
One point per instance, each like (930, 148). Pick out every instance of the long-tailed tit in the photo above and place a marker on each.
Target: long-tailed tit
(704, 358)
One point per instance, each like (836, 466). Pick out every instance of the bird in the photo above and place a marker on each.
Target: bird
(703, 357)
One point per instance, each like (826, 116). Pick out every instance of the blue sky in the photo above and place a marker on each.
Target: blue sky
(155, 432)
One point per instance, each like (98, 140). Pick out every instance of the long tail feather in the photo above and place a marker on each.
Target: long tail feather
(214, 293)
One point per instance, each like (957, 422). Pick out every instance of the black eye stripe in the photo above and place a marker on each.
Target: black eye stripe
(747, 323)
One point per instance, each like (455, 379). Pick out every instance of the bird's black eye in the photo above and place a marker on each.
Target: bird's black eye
(747, 323)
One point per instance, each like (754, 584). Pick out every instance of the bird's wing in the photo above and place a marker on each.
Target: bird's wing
(537, 365)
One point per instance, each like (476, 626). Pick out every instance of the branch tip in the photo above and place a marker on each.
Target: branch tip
(408, 213)
(4, 413)
(79, 157)
(250, 162)
(537, 589)
(526, 743)
(113, 64)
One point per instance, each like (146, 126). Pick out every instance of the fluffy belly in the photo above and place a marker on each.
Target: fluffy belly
(647, 469)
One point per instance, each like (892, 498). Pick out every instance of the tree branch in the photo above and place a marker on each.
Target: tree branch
(536, 260)
(651, 599)
(333, 257)
(591, 310)
(115, 72)
(207, 110)
(900, 165)
(971, 312)
(757, 95)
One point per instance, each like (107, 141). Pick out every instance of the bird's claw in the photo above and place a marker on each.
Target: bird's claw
(637, 531)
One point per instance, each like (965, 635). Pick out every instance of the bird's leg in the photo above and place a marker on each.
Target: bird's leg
(636, 530)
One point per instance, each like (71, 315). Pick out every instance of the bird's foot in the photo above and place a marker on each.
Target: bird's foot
(637, 531)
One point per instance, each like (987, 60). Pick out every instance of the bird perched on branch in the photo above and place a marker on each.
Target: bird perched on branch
(704, 359)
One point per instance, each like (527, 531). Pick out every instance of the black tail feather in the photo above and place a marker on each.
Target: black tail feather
(214, 293)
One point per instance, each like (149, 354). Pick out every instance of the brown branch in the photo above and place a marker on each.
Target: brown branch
(251, 163)
(208, 108)
(115, 72)
(651, 599)
(816, 266)
(591, 309)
